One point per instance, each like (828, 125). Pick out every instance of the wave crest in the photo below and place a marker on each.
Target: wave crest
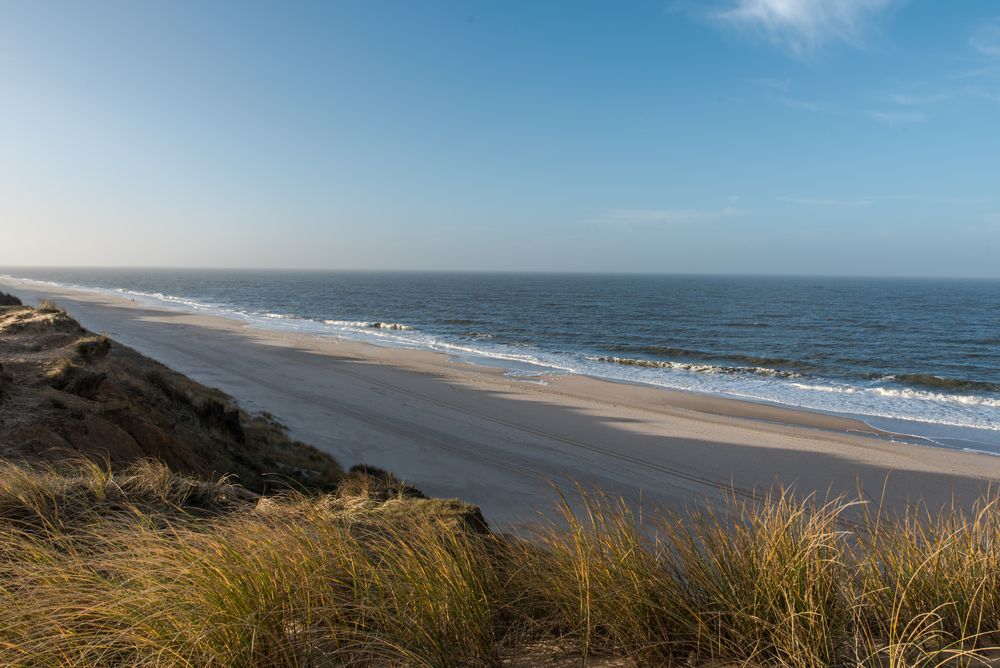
(941, 383)
(367, 324)
(698, 368)
(904, 393)
(398, 326)
(739, 358)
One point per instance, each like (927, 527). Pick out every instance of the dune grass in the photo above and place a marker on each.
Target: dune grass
(47, 305)
(147, 568)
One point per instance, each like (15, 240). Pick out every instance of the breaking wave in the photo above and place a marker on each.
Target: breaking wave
(739, 358)
(366, 324)
(903, 393)
(937, 382)
(697, 368)
(397, 326)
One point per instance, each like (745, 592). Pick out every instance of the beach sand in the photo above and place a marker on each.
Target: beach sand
(468, 431)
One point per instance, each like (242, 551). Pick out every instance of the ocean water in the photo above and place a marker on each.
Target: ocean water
(916, 356)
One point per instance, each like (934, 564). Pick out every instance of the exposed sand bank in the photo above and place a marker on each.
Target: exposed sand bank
(472, 432)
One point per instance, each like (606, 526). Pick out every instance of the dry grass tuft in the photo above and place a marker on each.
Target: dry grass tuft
(93, 347)
(69, 376)
(55, 499)
(49, 306)
(148, 568)
(121, 570)
(928, 584)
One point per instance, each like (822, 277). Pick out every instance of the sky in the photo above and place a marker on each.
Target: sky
(854, 137)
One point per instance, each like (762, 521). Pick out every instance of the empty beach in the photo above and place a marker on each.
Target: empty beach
(507, 443)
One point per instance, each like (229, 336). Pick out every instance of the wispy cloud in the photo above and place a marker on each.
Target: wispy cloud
(913, 102)
(909, 100)
(982, 93)
(667, 216)
(824, 201)
(804, 105)
(917, 107)
(780, 90)
(873, 200)
(780, 85)
(910, 107)
(898, 117)
(803, 26)
(986, 38)
(960, 201)
(989, 71)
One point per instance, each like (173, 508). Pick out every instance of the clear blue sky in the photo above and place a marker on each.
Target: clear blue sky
(760, 136)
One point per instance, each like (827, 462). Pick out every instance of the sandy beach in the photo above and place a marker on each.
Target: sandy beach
(468, 431)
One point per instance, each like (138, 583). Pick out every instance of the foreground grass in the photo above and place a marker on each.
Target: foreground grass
(148, 568)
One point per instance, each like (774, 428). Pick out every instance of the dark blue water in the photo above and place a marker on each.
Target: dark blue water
(897, 349)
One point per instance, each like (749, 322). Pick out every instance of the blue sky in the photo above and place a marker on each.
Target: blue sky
(736, 136)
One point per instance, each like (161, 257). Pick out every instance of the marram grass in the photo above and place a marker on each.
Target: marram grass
(146, 568)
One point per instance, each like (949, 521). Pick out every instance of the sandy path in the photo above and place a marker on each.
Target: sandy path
(470, 432)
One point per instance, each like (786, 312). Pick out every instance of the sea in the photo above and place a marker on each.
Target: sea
(916, 357)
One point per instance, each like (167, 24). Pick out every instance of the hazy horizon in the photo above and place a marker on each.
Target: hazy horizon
(540, 272)
(733, 137)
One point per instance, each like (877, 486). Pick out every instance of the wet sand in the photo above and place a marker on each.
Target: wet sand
(468, 431)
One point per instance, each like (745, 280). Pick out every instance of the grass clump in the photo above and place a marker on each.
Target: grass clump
(57, 499)
(760, 583)
(69, 376)
(49, 306)
(93, 347)
(929, 583)
(144, 567)
(170, 388)
(596, 580)
(764, 583)
(149, 568)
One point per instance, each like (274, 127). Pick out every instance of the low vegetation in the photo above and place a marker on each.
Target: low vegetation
(146, 567)
(49, 306)
(64, 390)
(143, 559)
(93, 347)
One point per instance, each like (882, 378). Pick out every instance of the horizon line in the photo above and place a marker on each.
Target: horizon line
(540, 272)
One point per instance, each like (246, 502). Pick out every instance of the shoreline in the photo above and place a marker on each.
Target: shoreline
(749, 408)
(897, 429)
(455, 428)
